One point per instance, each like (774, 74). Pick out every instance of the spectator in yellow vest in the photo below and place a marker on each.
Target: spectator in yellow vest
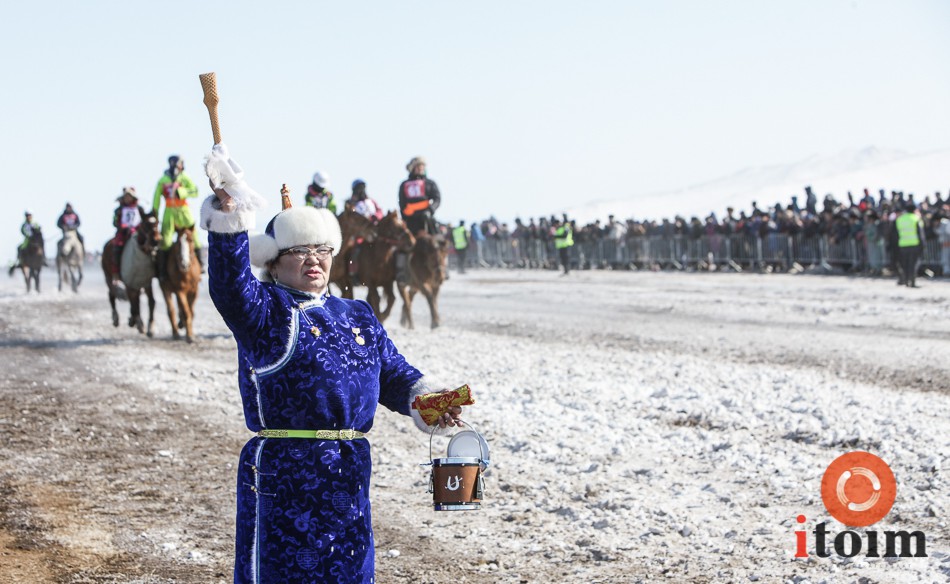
(460, 239)
(910, 241)
(563, 242)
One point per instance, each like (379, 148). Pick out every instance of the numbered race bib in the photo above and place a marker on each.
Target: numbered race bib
(415, 189)
(129, 216)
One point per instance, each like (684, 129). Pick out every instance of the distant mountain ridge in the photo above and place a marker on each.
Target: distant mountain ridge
(850, 170)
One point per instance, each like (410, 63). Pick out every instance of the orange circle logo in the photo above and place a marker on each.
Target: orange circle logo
(858, 489)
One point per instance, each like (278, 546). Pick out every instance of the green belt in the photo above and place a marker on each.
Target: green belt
(318, 434)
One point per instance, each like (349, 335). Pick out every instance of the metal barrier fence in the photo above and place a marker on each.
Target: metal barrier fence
(774, 251)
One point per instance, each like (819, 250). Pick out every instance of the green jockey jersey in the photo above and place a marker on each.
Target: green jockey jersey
(563, 237)
(27, 229)
(908, 230)
(460, 237)
(323, 199)
(177, 213)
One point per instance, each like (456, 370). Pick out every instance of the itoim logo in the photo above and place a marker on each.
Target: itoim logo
(858, 489)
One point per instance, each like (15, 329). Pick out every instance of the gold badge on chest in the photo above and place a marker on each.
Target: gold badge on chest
(359, 339)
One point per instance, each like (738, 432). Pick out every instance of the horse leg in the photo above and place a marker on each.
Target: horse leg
(151, 310)
(170, 307)
(184, 311)
(390, 300)
(136, 318)
(192, 296)
(115, 313)
(372, 296)
(59, 274)
(430, 292)
(407, 294)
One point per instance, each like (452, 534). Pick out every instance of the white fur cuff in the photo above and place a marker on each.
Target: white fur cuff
(217, 221)
(422, 387)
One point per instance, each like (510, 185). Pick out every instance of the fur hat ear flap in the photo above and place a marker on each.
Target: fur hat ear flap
(263, 249)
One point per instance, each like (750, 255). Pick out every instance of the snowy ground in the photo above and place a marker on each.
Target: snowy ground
(644, 427)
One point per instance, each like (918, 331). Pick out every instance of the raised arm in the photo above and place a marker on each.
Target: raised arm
(235, 290)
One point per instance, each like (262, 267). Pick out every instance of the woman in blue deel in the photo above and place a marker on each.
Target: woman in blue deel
(311, 368)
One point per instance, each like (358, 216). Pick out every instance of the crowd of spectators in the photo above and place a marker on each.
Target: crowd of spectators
(865, 224)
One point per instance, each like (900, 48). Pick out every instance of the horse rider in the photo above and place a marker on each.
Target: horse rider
(318, 195)
(361, 203)
(175, 187)
(28, 228)
(69, 221)
(126, 220)
(419, 199)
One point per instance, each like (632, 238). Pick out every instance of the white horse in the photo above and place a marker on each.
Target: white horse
(69, 259)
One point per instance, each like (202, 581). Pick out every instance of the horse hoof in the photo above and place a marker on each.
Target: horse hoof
(150, 334)
(190, 340)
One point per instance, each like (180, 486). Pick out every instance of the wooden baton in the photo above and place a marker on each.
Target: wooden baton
(210, 86)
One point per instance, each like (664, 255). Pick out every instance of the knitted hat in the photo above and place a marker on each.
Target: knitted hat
(293, 227)
(415, 161)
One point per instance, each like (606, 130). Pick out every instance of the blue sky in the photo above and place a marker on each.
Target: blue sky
(522, 108)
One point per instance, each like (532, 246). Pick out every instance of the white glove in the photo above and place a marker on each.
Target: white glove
(227, 174)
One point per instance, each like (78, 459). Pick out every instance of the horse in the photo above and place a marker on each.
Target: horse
(428, 264)
(377, 261)
(184, 275)
(353, 227)
(137, 270)
(69, 259)
(31, 260)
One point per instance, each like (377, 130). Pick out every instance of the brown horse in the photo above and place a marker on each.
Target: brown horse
(353, 227)
(184, 275)
(136, 273)
(428, 263)
(377, 261)
(31, 260)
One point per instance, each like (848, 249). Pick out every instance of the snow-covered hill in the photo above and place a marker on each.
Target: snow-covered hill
(850, 170)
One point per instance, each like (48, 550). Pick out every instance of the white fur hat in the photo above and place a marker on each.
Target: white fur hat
(292, 227)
